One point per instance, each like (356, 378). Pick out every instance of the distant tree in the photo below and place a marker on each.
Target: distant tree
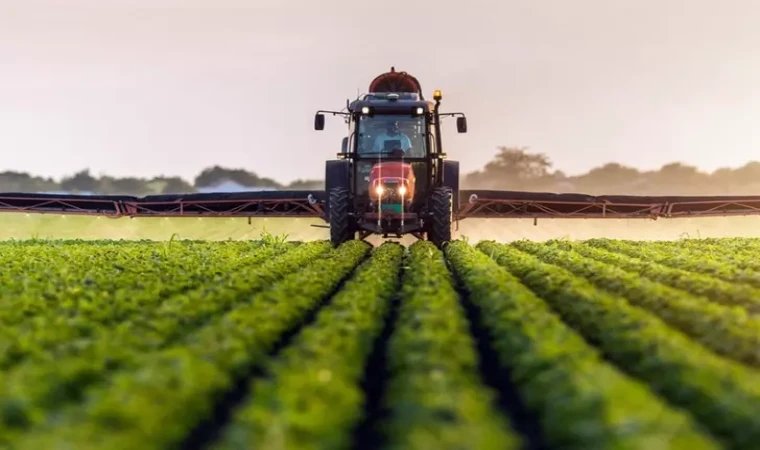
(81, 181)
(217, 175)
(512, 168)
(611, 173)
(748, 173)
(306, 185)
(11, 181)
(559, 175)
(744, 180)
(129, 186)
(723, 175)
(679, 169)
(174, 185)
(611, 178)
(679, 179)
(518, 164)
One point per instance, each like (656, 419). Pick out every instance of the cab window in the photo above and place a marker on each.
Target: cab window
(378, 134)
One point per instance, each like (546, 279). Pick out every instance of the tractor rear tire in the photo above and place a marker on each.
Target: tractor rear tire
(439, 231)
(341, 227)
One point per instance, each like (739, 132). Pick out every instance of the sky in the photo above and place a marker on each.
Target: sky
(152, 87)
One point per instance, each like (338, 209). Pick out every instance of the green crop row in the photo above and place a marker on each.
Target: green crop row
(311, 395)
(713, 288)
(435, 397)
(742, 258)
(47, 380)
(716, 245)
(716, 264)
(54, 282)
(582, 401)
(728, 331)
(741, 254)
(77, 315)
(723, 395)
(182, 381)
(269, 344)
(84, 294)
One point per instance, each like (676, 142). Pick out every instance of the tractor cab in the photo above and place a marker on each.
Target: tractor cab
(391, 146)
(391, 170)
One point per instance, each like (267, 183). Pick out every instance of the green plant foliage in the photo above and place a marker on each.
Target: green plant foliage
(712, 324)
(311, 396)
(723, 395)
(436, 398)
(281, 344)
(582, 401)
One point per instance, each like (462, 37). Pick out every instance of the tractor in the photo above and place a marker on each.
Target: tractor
(392, 177)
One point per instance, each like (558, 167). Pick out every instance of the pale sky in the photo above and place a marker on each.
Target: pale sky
(149, 87)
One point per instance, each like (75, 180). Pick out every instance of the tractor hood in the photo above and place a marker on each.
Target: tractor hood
(391, 169)
(392, 180)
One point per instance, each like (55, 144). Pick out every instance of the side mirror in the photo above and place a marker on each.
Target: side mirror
(462, 124)
(319, 122)
(344, 145)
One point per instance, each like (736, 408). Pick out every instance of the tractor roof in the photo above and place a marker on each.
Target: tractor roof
(390, 102)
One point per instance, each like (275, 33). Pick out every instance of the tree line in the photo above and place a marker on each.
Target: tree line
(85, 182)
(515, 168)
(512, 168)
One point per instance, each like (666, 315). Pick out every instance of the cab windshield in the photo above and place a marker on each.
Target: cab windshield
(388, 135)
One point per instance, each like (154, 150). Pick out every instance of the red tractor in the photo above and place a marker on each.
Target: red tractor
(392, 177)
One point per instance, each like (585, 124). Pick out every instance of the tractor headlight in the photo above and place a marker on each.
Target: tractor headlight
(402, 191)
(379, 190)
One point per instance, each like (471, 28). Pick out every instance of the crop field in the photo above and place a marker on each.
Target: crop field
(280, 344)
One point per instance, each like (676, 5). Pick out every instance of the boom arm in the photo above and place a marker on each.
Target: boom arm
(475, 203)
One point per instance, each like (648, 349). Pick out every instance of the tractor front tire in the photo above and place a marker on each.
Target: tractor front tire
(341, 229)
(439, 231)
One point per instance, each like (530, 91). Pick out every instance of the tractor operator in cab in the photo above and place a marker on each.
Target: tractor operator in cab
(392, 133)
